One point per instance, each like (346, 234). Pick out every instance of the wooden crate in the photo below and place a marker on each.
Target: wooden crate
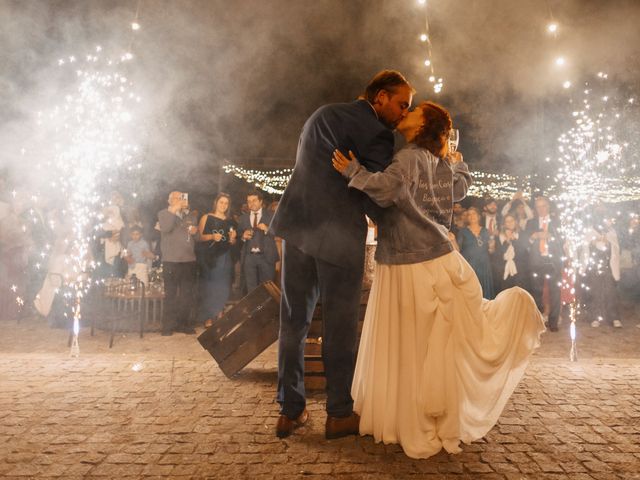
(314, 378)
(244, 331)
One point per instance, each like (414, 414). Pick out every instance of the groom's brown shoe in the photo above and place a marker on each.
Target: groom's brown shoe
(286, 426)
(337, 427)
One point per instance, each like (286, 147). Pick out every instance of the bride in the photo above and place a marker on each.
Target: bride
(437, 363)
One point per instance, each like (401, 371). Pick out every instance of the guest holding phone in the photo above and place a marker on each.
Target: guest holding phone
(177, 242)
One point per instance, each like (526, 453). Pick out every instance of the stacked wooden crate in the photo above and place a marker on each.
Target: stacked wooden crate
(314, 377)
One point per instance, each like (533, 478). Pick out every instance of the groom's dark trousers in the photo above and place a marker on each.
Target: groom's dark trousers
(323, 226)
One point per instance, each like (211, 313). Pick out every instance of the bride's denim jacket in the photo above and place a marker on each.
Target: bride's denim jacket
(419, 190)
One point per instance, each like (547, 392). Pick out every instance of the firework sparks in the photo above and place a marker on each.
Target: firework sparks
(592, 162)
(89, 135)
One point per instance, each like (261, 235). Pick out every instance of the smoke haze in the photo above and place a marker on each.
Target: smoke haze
(237, 80)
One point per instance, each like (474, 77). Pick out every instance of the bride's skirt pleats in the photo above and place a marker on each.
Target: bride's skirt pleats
(437, 363)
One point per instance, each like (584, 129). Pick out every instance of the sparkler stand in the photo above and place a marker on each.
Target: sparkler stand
(75, 347)
(573, 312)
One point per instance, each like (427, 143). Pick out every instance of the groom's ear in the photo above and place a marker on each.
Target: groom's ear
(380, 97)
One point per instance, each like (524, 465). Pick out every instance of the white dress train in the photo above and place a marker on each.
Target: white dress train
(437, 363)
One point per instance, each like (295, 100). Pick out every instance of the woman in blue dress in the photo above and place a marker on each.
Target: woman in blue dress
(218, 235)
(473, 242)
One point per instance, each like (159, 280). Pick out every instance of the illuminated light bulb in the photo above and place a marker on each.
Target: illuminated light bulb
(427, 62)
(135, 26)
(566, 84)
(422, 2)
(424, 37)
(560, 61)
(630, 100)
(552, 27)
(432, 79)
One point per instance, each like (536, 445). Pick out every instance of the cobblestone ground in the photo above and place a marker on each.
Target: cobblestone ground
(177, 416)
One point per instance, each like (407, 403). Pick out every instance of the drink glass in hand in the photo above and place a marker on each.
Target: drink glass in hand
(454, 138)
(189, 223)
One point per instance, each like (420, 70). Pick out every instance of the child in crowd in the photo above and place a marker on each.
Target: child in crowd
(139, 255)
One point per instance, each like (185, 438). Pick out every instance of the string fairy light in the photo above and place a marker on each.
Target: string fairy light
(552, 25)
(425, 38)
(271, 181)
(500, 186)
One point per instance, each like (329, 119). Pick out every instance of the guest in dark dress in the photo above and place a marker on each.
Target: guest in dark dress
(459, 219)
(473, 241)
(512, 251)
(217, 237)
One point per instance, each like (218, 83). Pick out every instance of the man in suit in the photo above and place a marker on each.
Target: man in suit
(545, 259)
(323, 226)
(491, 220)
(259, 253)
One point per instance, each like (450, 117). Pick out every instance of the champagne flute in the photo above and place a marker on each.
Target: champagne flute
(454, 138)
(189, 222)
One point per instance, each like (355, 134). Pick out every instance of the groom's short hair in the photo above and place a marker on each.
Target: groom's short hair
(388, 80)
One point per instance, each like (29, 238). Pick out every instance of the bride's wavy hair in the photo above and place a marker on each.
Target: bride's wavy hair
(435, 132)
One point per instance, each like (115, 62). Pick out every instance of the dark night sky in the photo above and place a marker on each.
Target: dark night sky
(237, 79)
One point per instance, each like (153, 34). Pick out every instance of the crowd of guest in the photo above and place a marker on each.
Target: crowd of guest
(199, 263)
(205, 259)
(200, 260)
(517, 245)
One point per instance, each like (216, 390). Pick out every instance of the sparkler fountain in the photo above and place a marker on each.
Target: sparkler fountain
(91, 134)
(592, 168)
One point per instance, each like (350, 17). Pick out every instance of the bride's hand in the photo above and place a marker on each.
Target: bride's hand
(340, 162)
(454, 157)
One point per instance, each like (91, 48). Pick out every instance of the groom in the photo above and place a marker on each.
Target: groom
(323, 226)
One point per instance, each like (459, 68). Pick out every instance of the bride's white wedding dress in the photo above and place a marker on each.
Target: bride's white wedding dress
(437, 363)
